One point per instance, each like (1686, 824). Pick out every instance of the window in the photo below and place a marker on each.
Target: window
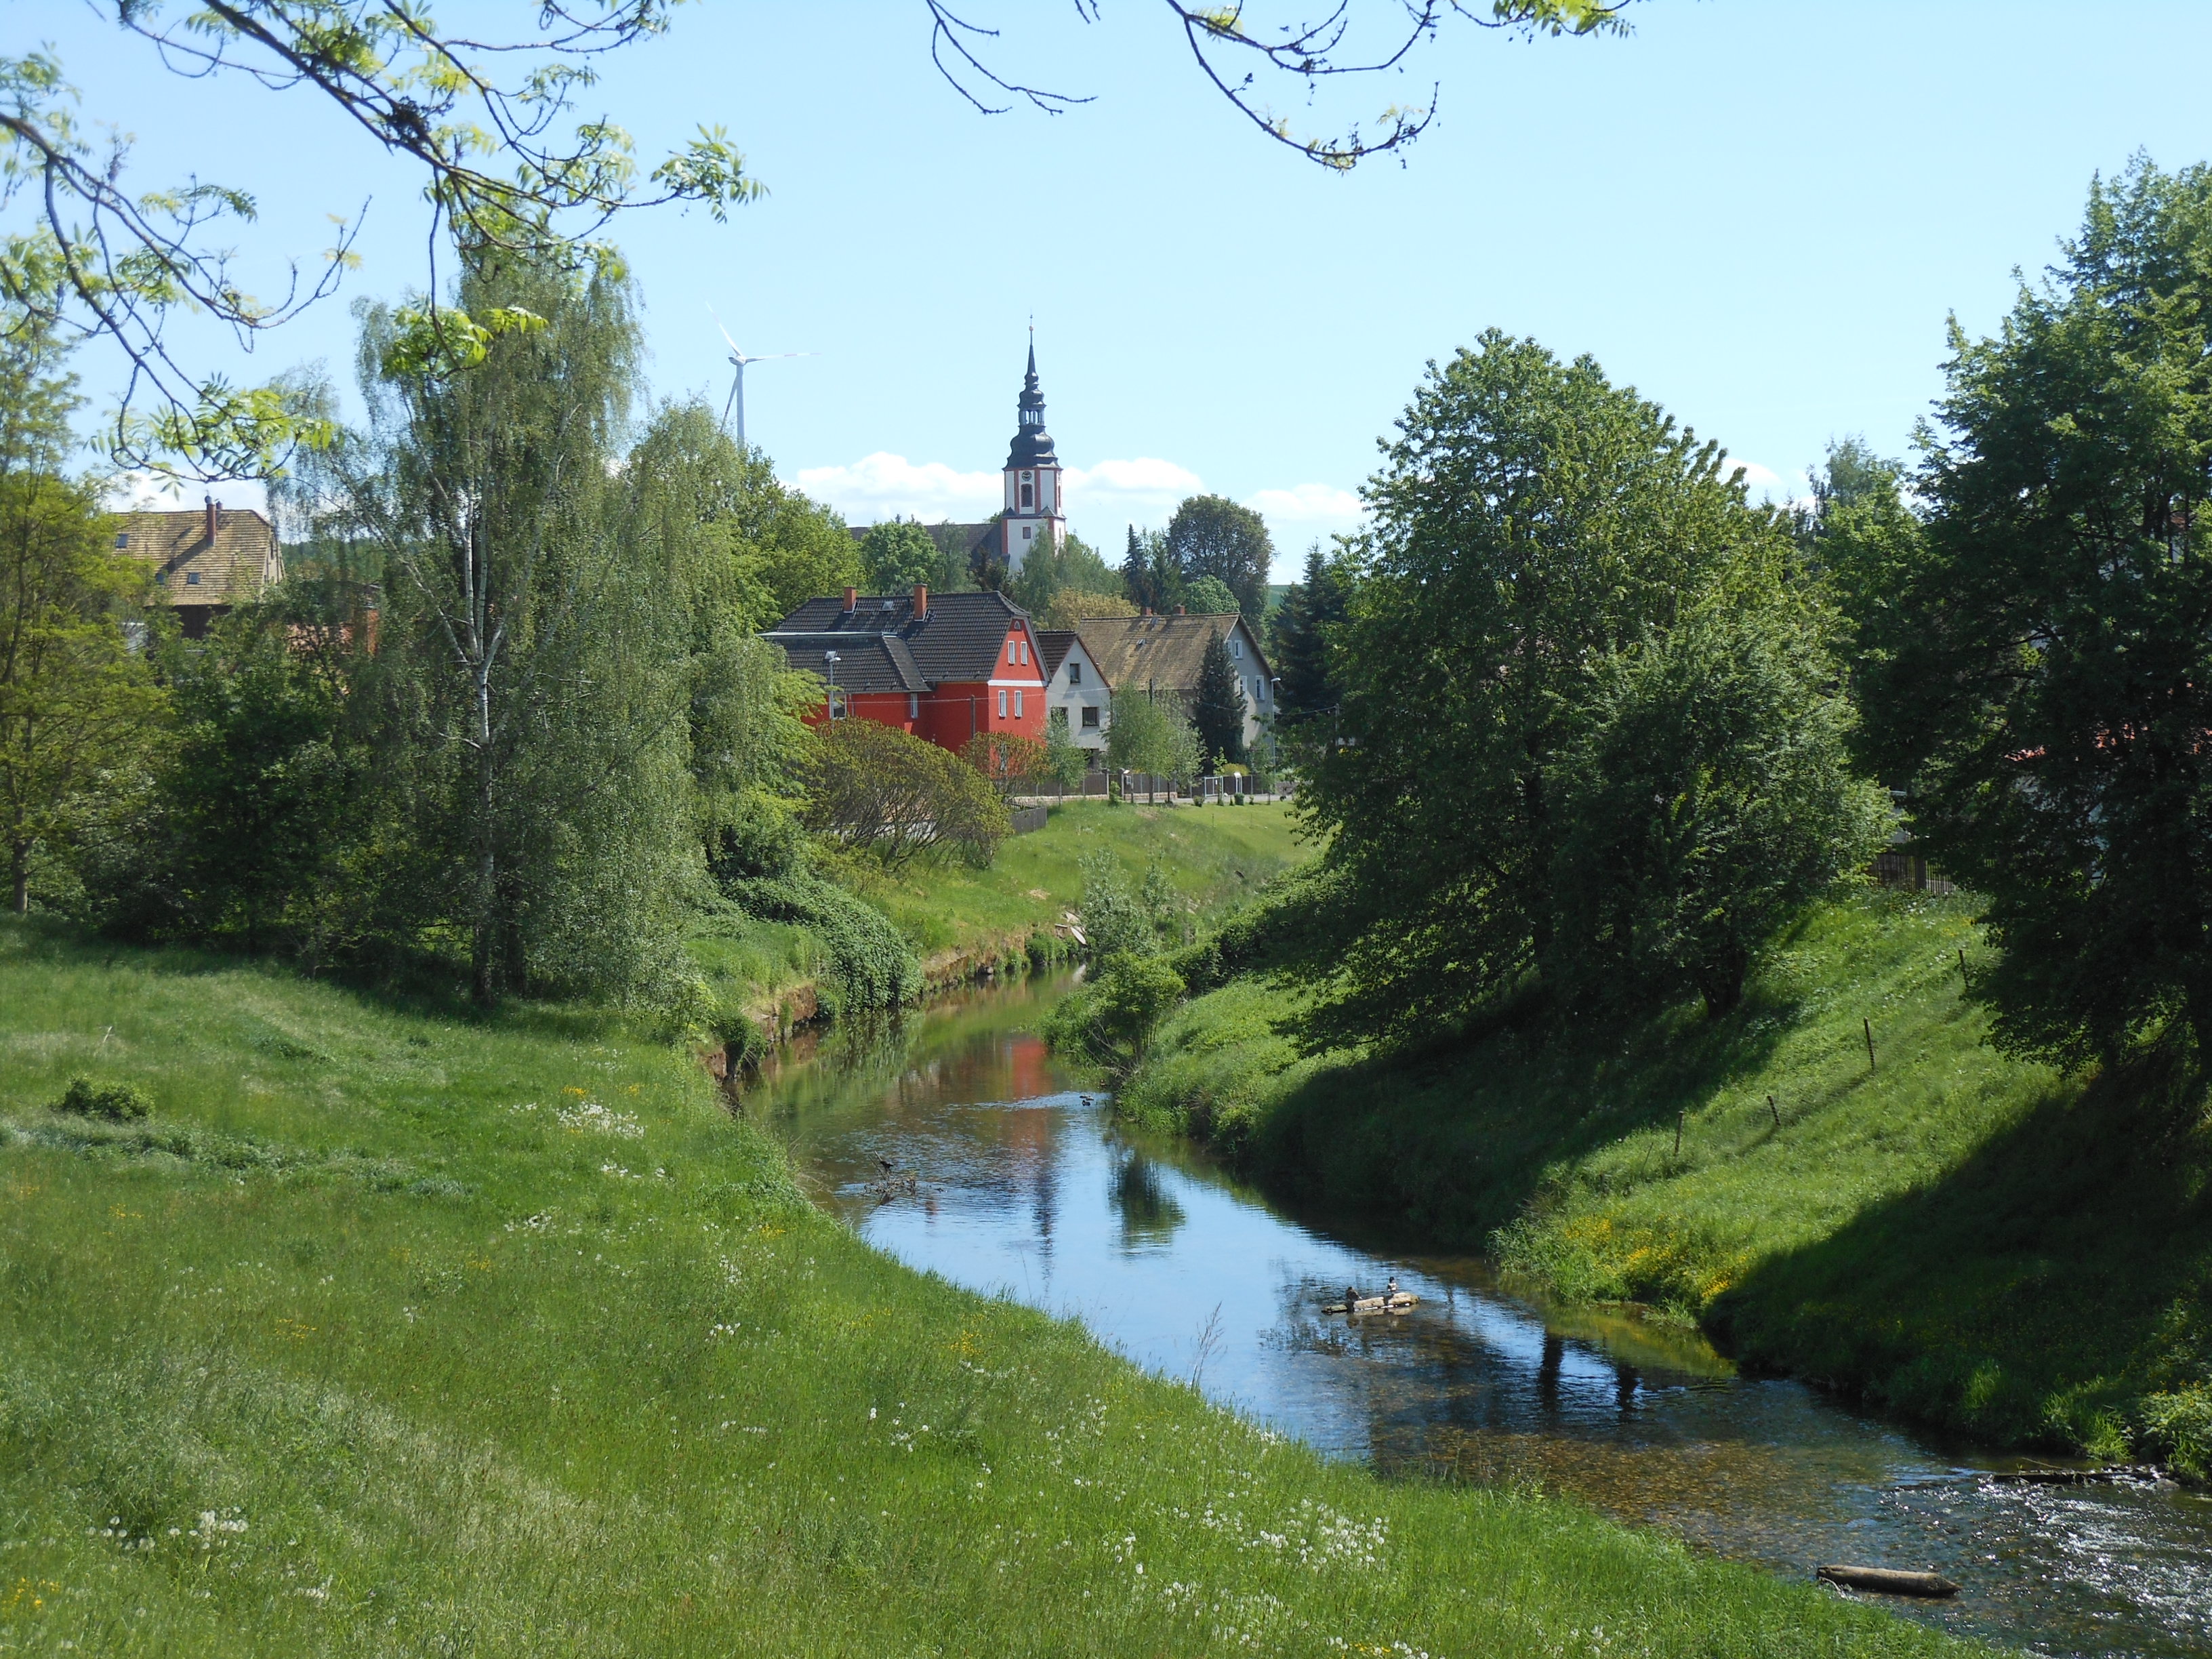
(1027, 531)
(1075, 673)
(192, 579)
(1024, 649)
(123, 539)
(1029, 494)
(1236, 645)
(1017, 705)
(1010, 651)
(1089, 717)
(914, 705)
(1002, 703)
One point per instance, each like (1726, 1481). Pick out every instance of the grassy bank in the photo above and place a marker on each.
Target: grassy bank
(1978, 1244)
(395, 1331)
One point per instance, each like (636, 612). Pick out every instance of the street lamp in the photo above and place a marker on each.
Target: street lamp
(830, 661)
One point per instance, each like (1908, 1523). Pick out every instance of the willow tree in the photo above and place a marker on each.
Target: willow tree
(533, 668)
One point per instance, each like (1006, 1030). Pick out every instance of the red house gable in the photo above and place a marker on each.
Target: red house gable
(942, 666)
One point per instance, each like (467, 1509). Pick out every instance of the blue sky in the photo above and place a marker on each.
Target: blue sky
(1759, 214)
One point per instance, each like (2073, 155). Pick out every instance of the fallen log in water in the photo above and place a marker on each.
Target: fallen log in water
(1888, 1581)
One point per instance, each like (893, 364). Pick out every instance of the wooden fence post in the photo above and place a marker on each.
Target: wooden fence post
(1870, 1037)
(1777, 1111)
(1678, 1118)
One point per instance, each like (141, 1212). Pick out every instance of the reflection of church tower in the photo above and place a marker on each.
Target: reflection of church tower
(1033, 503)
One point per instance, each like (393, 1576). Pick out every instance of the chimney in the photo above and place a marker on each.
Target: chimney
(920, 601)
(852, 599)
(1179, 611)
(1148, 611)
(214, 519)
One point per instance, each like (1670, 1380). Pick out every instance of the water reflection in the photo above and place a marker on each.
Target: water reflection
(1025, 1187)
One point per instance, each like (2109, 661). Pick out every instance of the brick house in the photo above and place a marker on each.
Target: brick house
(207, 560)
(942, 666)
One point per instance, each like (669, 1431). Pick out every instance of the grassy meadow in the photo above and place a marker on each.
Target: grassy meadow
(1216, 856)
(395, 1330)
(1978, 1244)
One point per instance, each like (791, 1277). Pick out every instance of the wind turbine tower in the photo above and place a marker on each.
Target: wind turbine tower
(737, 362)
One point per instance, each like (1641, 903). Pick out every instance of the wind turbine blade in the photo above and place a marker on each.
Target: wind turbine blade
(717, 316)
(728, 401)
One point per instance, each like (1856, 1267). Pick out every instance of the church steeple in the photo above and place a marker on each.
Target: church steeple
(1032, 444)
(1033, 507)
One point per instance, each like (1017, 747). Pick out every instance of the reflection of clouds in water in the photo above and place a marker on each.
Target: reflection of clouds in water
(1042, 1199)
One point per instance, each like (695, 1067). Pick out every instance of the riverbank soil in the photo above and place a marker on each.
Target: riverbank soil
(394, 1329)
(1980, 1244)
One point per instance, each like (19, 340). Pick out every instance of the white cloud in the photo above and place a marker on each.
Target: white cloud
(145, 492)
(1143, 491)
(882, 485)
(1763, 482)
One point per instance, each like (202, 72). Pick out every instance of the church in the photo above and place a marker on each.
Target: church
(1033, 507)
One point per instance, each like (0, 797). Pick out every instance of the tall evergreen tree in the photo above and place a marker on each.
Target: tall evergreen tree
(1149, 574)
(1216, 707)
(1310, 610)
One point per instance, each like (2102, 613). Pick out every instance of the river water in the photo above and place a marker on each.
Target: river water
(1027, 1187)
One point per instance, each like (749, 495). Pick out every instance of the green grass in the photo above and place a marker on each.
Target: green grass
(1216, 857)
(394, 1331)
(1978, 1244)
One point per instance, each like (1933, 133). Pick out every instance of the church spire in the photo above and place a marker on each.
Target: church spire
(1032, 444)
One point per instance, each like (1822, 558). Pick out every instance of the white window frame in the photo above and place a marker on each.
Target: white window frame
(1002, 703)
(1017, 703)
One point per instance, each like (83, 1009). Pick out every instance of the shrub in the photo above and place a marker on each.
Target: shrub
(119, 1102)
(875, 787)
(870, 964)
(1011, 763)
(1110, 1022)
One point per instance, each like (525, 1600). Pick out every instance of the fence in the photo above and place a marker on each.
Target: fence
(1027, 818)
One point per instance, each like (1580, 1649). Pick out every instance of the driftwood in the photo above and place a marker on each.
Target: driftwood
(1373, 1304)
(1889, 1581)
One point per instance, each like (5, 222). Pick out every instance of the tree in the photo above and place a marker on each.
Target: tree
(1145, 735)
(1009, 762)
(1049, 571)
(2035, 662)
(1209, 596)
(898, 555)
(874, 786)
(1213, 536)
(533, 671)
(1533, 523)
(1310, 612)
(1710, 796)
(1151, 579)
(75, 701)
(1217, 708)
(1066, 761)
(1069, 609)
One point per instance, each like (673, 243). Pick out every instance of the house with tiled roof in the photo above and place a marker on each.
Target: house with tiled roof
(1159, 657)
(942, 666)
(1074, 685)
(207, 560)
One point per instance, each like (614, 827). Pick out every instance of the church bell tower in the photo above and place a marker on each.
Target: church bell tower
(1033, 500)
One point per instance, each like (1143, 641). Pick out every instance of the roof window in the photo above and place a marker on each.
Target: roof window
(123, 539)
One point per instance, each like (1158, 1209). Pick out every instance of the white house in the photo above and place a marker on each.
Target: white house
(1160, 656)
(1073, 684)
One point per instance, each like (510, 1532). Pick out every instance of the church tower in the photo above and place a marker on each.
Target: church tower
(1033, 509)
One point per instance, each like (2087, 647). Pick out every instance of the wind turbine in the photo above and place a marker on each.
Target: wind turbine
(737, 362)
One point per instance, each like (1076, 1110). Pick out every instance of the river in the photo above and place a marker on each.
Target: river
(1027, 1187)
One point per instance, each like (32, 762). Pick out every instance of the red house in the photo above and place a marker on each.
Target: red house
(942, 666)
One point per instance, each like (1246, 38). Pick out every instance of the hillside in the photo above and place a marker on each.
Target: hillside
(959, 919)
(1981, 1244)
(395, 1330)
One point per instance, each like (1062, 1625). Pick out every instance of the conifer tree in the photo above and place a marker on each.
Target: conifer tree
(1313, 607)
(1218, 707)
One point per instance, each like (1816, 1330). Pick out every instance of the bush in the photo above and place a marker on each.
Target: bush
(118, 1103)
(873, 786)
(1011, 763)
(871, 966)
(1110, 1022)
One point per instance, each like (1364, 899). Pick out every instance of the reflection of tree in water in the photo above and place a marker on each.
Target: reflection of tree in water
(1149, 1213)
